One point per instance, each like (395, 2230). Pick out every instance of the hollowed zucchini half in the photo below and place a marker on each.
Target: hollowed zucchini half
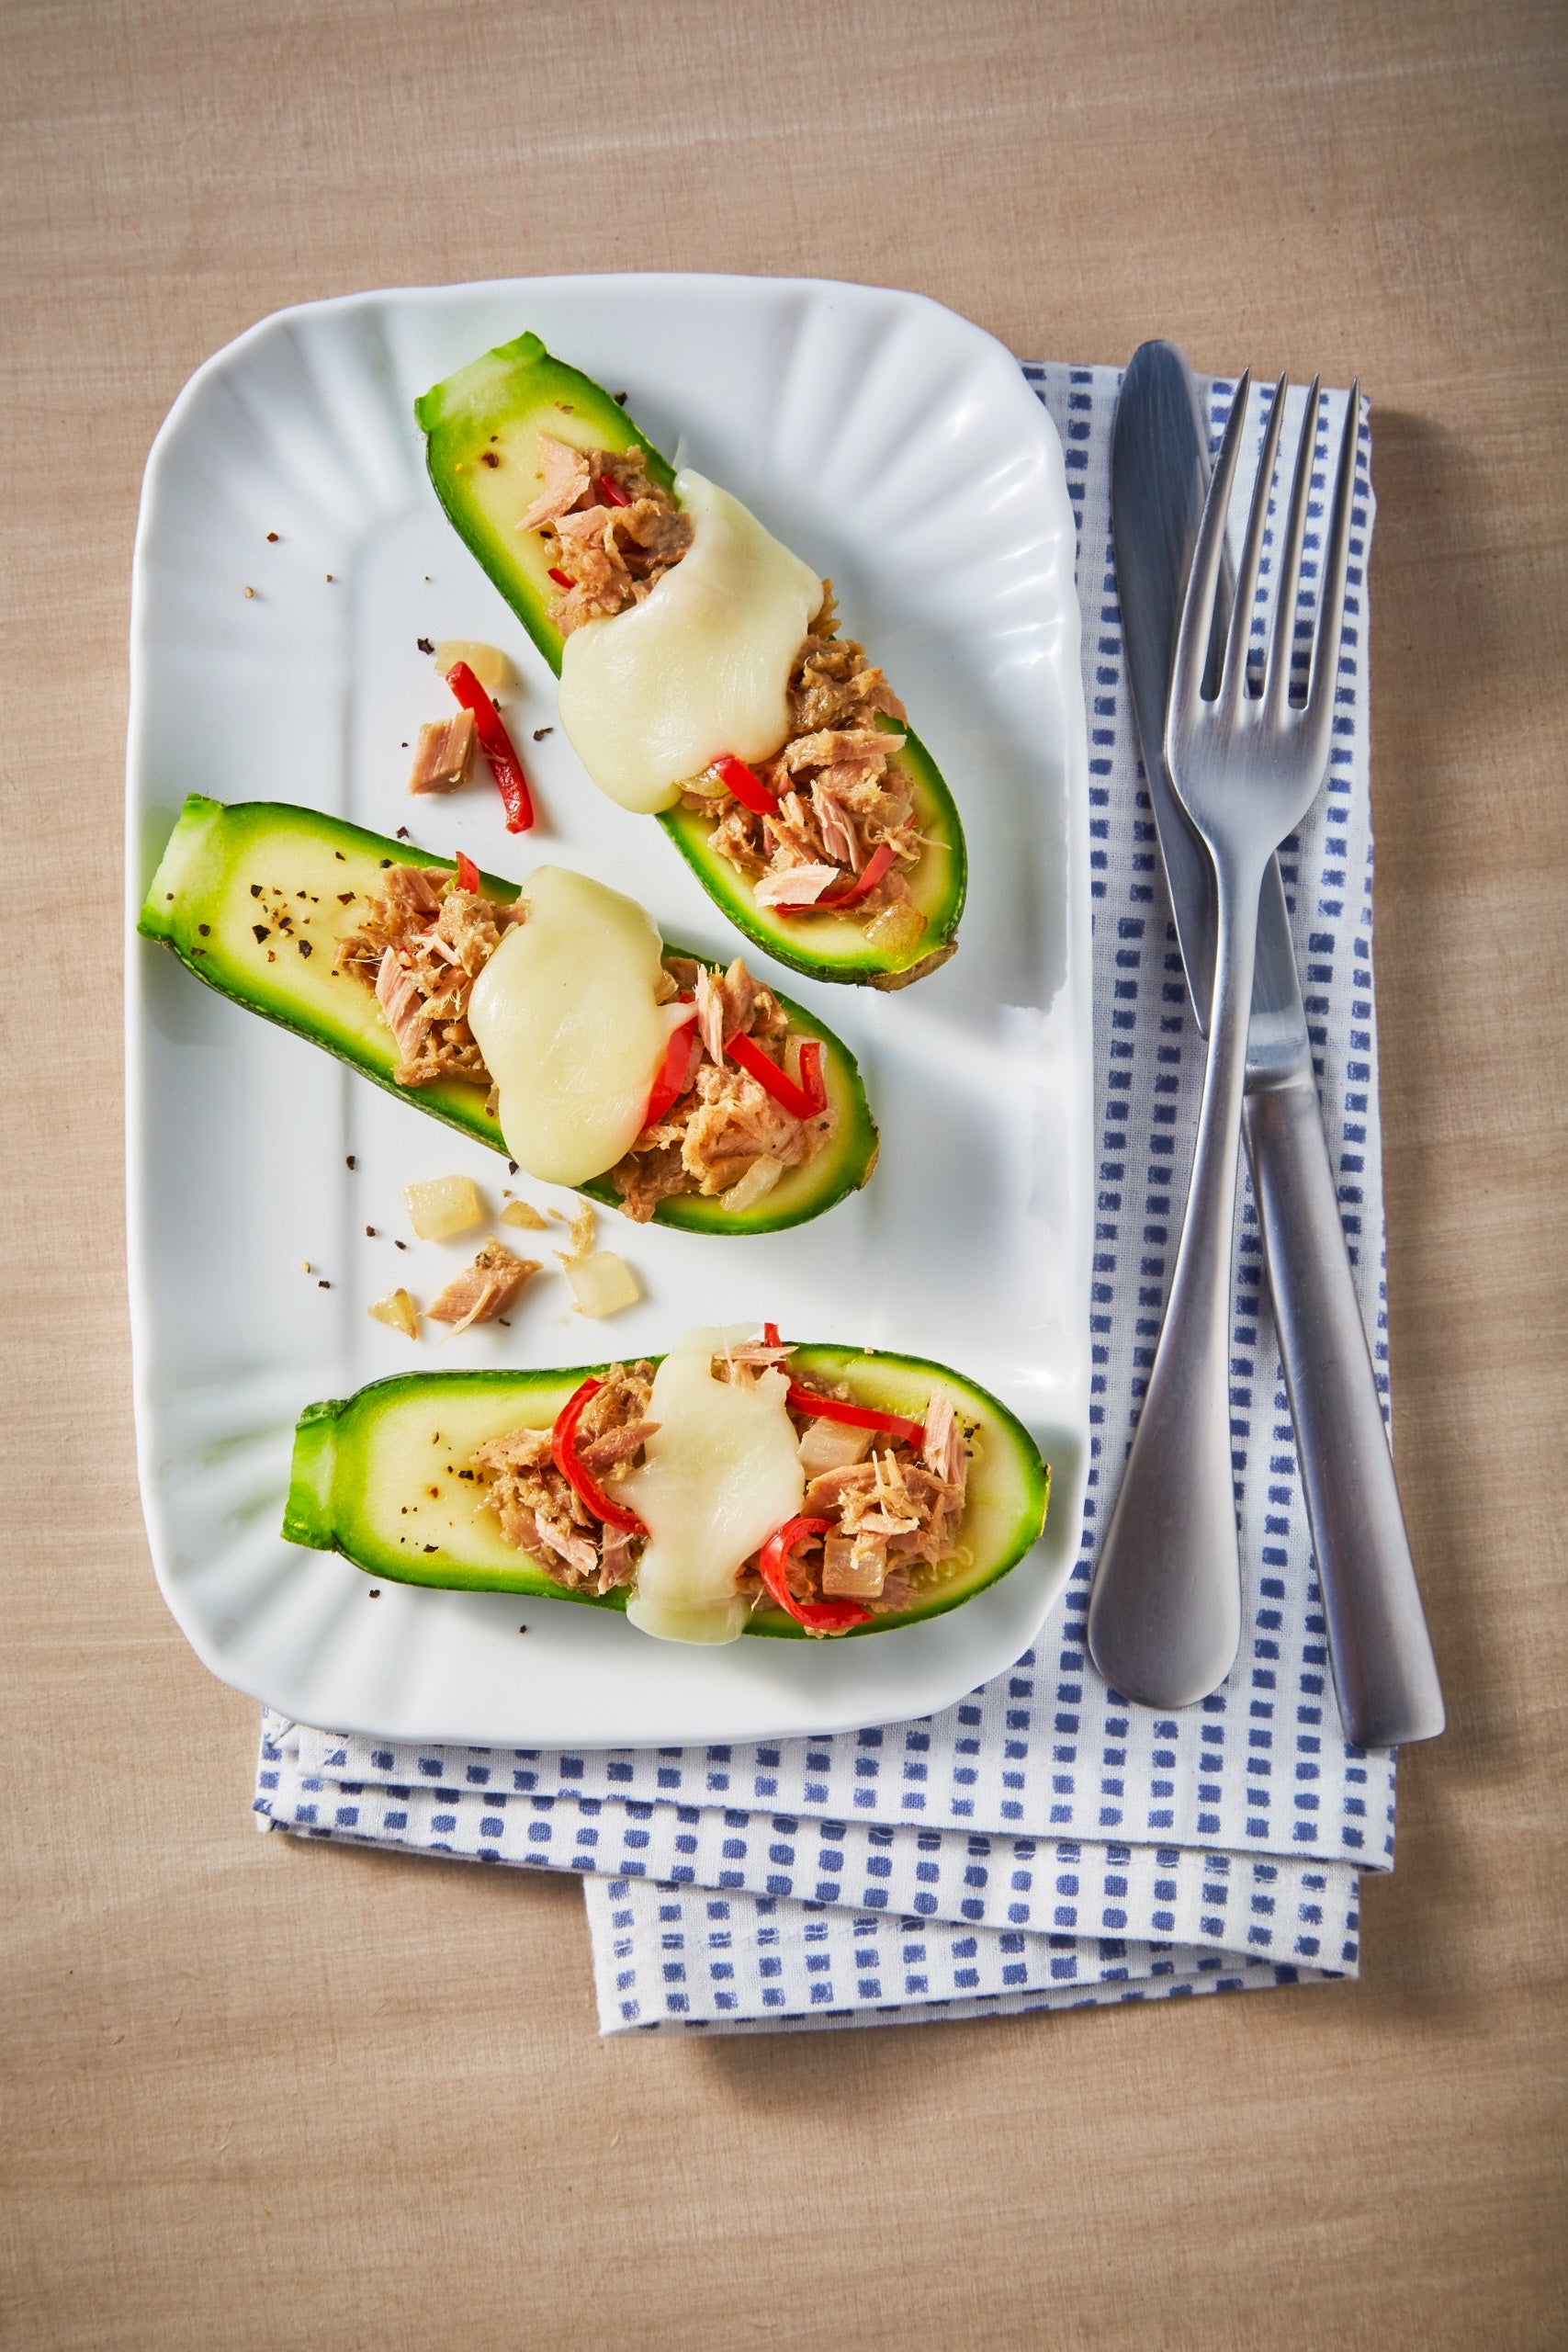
(379, 1477)
(482, 428)
(230, 874)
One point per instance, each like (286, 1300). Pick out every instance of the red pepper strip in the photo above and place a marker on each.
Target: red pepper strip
(865, 881)
(749, 789)
(859, 1417)
(562, 579)
(612, 494)
(467, 872)
(497, 746)
(771, 1336)
(816, 1616)
(563, 1452)
(670, 1083)
(801, 1102)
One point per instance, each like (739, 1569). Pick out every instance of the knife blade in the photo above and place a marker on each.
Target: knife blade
(1159, 475)
(1384, 1674)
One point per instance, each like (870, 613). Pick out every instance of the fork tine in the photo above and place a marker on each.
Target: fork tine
(1331, 593)
(1233, 683)
(1282, 644)
(1202, 581)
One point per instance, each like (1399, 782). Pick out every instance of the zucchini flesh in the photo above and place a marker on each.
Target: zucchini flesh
(231, 875)
(482, 428)
(364, 1467)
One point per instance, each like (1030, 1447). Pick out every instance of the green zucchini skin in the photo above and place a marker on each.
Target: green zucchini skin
(482, 428)
(364, 1465)
(495, 409)
(201, 905)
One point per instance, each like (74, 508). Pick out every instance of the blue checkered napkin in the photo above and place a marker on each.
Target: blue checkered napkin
(1041, 1844)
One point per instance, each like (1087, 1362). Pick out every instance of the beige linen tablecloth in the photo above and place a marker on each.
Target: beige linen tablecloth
(261, 2096)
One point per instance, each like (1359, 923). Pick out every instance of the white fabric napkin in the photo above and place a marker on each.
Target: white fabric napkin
(1043, 1844)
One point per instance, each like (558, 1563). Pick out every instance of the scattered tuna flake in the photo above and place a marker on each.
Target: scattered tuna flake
(444, 757)
(524, 1213)
(399, 1311)
(581, 1222)
(601, 1282)
(484, 1290)
(488, 663)
(444, 1205)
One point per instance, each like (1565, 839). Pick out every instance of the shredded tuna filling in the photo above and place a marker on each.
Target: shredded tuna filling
(422, 947)
(839, 798)
(424, 943)
(894, 1509)
(611, 552)
(543, 1515)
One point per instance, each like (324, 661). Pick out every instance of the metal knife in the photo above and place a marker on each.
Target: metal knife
(1384, 1674)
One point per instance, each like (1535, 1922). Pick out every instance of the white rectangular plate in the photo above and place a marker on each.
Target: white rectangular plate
(899, 449)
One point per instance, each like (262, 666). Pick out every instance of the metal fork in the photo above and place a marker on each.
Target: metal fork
(1165, 1615)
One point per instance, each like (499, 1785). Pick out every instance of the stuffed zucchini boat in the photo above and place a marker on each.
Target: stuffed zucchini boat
(703, 677)
(740, 1484)
(551, 1023)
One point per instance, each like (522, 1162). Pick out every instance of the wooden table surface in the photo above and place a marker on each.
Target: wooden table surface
(268, 2095)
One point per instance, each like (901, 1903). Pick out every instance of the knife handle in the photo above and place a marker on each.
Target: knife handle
(1384, 1672)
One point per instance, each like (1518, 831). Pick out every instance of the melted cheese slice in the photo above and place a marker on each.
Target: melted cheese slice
(700, 667)
(722, 1473)
(567, 1016)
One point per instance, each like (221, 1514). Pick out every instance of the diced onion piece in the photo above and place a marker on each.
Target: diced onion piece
(833, 1445)
(524, 1213)
(898, 927)
(446, 1205)
(399, 1311)
(754, 1186)
(847, 1578)
(601, 1282)
(488, 663)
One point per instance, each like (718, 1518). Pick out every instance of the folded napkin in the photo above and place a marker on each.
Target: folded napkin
(1043, 1844)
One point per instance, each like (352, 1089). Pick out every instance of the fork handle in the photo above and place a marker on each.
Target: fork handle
(1165, 1613)
(1384, 1673)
